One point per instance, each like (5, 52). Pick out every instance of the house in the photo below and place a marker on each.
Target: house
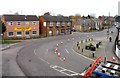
(20, 26)
(54, 25)
(84, 25)
(98, 23)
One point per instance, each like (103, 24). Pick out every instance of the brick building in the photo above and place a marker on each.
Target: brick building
(55, 25)
(21, 26)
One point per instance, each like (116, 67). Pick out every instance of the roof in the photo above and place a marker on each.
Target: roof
(21, 18)
(55, 18)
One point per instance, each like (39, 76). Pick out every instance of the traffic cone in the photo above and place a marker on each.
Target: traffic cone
(57, 45)
(56, 50)
(113, 59)
(61, 42)
(58, 54)
(64, 59)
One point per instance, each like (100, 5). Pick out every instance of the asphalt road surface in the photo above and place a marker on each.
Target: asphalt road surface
(38, 57)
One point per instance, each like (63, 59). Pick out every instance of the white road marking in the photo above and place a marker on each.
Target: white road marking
(64, 71)
(44, 60)
(83, 56)
(66, 50)
(35, 51)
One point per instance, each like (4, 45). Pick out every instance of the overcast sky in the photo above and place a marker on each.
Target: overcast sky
(64, 7)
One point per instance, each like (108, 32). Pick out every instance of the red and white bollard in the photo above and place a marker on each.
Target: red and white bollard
(57, 45)
(64, 59)
(113, 59)
(56, 50)
(61, 42)
(68, 40)
(58, 54)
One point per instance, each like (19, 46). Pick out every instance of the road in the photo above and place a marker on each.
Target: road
(38, 57)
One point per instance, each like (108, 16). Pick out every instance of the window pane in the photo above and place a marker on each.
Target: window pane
(10, 33)
(27, 32)
(19, 33)
(51, 23)
(34, 32)
(18, 23)
(34, 23)
(27, 23)
(10, 23)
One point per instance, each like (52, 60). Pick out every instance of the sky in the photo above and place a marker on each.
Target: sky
(64, 7)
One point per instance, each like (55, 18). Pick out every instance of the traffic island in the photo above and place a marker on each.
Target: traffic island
(88, 48)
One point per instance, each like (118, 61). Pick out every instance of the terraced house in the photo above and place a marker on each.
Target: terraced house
(21, 26)
(55, 25)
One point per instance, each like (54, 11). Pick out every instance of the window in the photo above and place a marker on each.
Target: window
(10, 34)
(34, 23)
(18, 23)
(63, 24)
(10, 23)
(27, 32)
(51, 24)
(58, 24)
(34, 32)
(57, 32)
(50, 33)
(68, 23)
(19, 33)
(62, 31)
(44, 23)
(27, 23)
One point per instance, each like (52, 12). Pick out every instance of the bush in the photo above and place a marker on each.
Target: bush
(93, 48)
(34, 37)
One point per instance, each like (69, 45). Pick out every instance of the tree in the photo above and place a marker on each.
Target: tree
(3, 28)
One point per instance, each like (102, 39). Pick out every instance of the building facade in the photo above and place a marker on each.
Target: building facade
(84, 25)
(55, 25)
(21, 26)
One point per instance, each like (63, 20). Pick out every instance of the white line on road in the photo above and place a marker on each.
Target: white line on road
(41, 58)
(66, 50)
(83, 56)
(44, 60)
(35, 51)
(64, 71)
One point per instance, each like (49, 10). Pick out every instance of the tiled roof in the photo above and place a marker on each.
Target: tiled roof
(21, 18)
(55, 18)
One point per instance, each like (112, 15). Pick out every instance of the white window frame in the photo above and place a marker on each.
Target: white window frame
(27, 23)
(58, 24)
(10, 23)
(34, 34)
(10, 35)
(51, 24)
(18, 23)
(34, 23)
(17, 34)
